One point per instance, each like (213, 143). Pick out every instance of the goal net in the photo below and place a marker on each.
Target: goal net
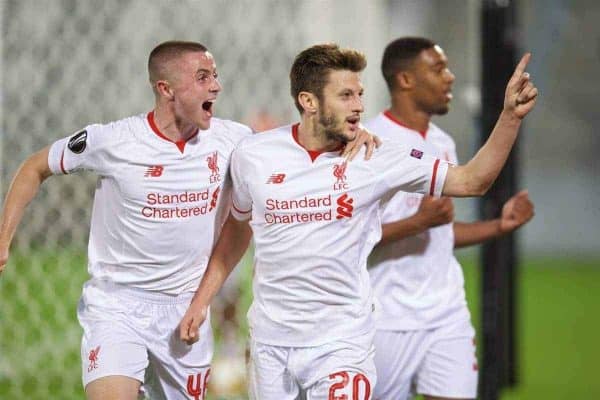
(66, 64)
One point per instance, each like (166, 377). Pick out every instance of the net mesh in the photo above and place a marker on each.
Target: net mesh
(69, 63)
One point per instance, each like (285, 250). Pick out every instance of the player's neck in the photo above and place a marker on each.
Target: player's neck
(173, 129)
(409, 114)
(312, 136)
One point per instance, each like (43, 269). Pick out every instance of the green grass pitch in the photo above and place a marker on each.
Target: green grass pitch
(559, 326)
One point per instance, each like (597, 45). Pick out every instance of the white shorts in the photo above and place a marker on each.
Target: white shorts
(437, 362)
(341, 369)
(130, 332)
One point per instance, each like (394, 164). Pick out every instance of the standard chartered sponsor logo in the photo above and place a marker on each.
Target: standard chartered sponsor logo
(176, 198)
(305, 202)
(297, 217)
(307, 209)
(345, 206)
(179, 205)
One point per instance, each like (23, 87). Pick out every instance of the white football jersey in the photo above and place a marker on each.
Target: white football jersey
(417, 280)
(315, 219)
(158, 205)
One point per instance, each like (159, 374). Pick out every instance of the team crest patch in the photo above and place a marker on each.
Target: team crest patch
(339, 172)
(77, 143)
(416, 153)
(93, 357)
(213, 165)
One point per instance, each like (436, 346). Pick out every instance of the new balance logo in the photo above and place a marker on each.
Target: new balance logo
(276, 178)
(154, 171)
(345, 206)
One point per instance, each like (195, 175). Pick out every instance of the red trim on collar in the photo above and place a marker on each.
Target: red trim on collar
(180, 143)
(388, 113)
(313, 154)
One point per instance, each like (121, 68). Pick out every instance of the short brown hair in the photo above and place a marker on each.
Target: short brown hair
(165, 52)
(311, 68)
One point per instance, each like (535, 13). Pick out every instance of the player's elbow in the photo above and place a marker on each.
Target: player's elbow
(479, 188)
(461, 183)
(467, 190)
(36, 166)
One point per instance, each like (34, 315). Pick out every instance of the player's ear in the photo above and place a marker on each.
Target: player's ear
(164, 89)
(309, 102)
(405, 80)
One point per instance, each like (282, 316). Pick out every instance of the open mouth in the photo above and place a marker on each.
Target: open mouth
(448, 94)
(207, 106)
(353, 121)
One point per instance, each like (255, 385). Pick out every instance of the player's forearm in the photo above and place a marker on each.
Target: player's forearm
(490, 159)
(401, 229)
(231, 246)
(476, 177)
(22, 190)
(468, 234)
(211, 282)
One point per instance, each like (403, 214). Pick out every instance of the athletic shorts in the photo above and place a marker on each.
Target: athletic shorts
(437, 362)
(133, 333)
(337, 370)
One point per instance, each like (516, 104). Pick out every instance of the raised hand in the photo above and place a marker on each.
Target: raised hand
(521, 95)
(517, 211)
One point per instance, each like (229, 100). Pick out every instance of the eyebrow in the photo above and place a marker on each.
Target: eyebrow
(204, 70)
(344, 90)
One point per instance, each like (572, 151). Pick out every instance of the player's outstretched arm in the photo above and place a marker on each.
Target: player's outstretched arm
(23, 189)
(433, 211)
(233, 242)
(516, 212)
(476, 177)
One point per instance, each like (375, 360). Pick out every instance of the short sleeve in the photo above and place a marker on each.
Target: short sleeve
(408, 169)
(236, 131)
(241, 207)
(78, 151)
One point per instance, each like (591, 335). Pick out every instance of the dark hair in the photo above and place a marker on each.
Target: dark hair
(399, 55)
(311, 68)
(167, 51)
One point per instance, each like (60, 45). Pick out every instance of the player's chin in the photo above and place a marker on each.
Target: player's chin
(350, 136)
(351, 132)
(204, 117)
(442, 109)
(203, 123)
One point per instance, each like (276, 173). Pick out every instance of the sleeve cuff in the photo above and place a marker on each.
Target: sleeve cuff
(56, 156)
(240, 214)
(438, 177)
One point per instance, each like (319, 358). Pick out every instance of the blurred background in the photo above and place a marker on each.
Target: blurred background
(68, 63)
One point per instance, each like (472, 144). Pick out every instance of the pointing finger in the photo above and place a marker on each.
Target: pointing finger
(520, 68)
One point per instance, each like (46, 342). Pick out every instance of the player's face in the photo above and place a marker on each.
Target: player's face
(195, 88)
(433, 88)
(340, 108)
